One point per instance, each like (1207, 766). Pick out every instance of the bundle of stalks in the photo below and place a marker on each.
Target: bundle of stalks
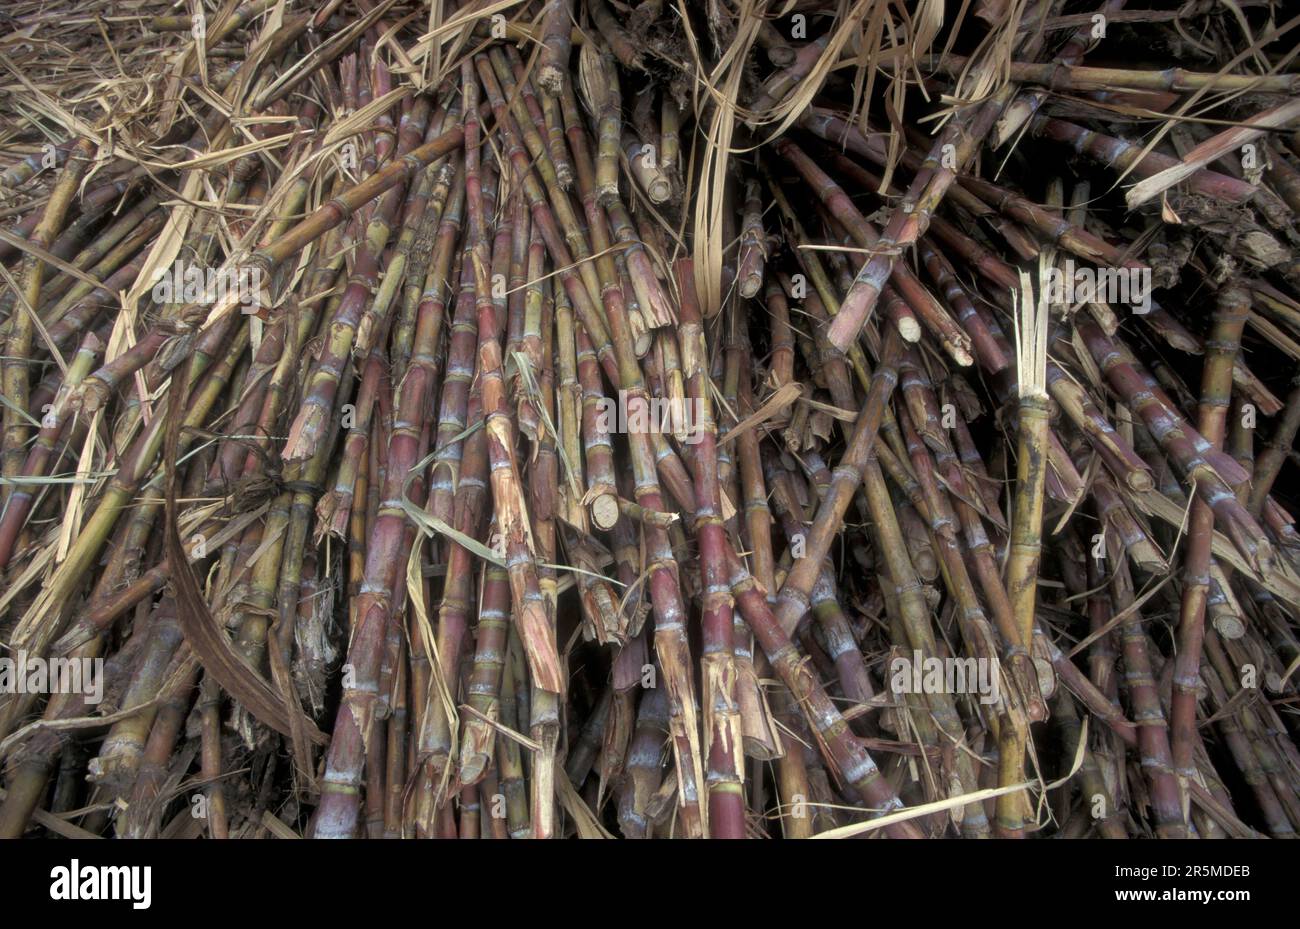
(553, 419)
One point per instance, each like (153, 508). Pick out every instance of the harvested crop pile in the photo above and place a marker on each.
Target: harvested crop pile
(733, 419)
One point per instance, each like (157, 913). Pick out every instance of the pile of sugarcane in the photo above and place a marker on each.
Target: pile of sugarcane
(620, 419)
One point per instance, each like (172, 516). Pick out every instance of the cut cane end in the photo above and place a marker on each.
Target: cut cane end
(551, 80)
(604, 511)
(659, 190)
(909, 329)
(1140, 481)
(1230, 627)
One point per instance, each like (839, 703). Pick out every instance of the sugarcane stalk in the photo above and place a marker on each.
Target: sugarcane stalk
(1216, 393)
(22, 330)
(793, 596)
(478, 738)
(725, 775)
(1187, 449)
(618, 39)
(841, 748)
(600, 88)
(1212, 148)
(1025, 105)
(1153, 732)
(529, 613)
(1027, 517)
(53, 425)
(304, 434)
(553, 69)
(644, 166)
(955, 341)
(339, 812)
(1126, 157)
(1268, 464)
